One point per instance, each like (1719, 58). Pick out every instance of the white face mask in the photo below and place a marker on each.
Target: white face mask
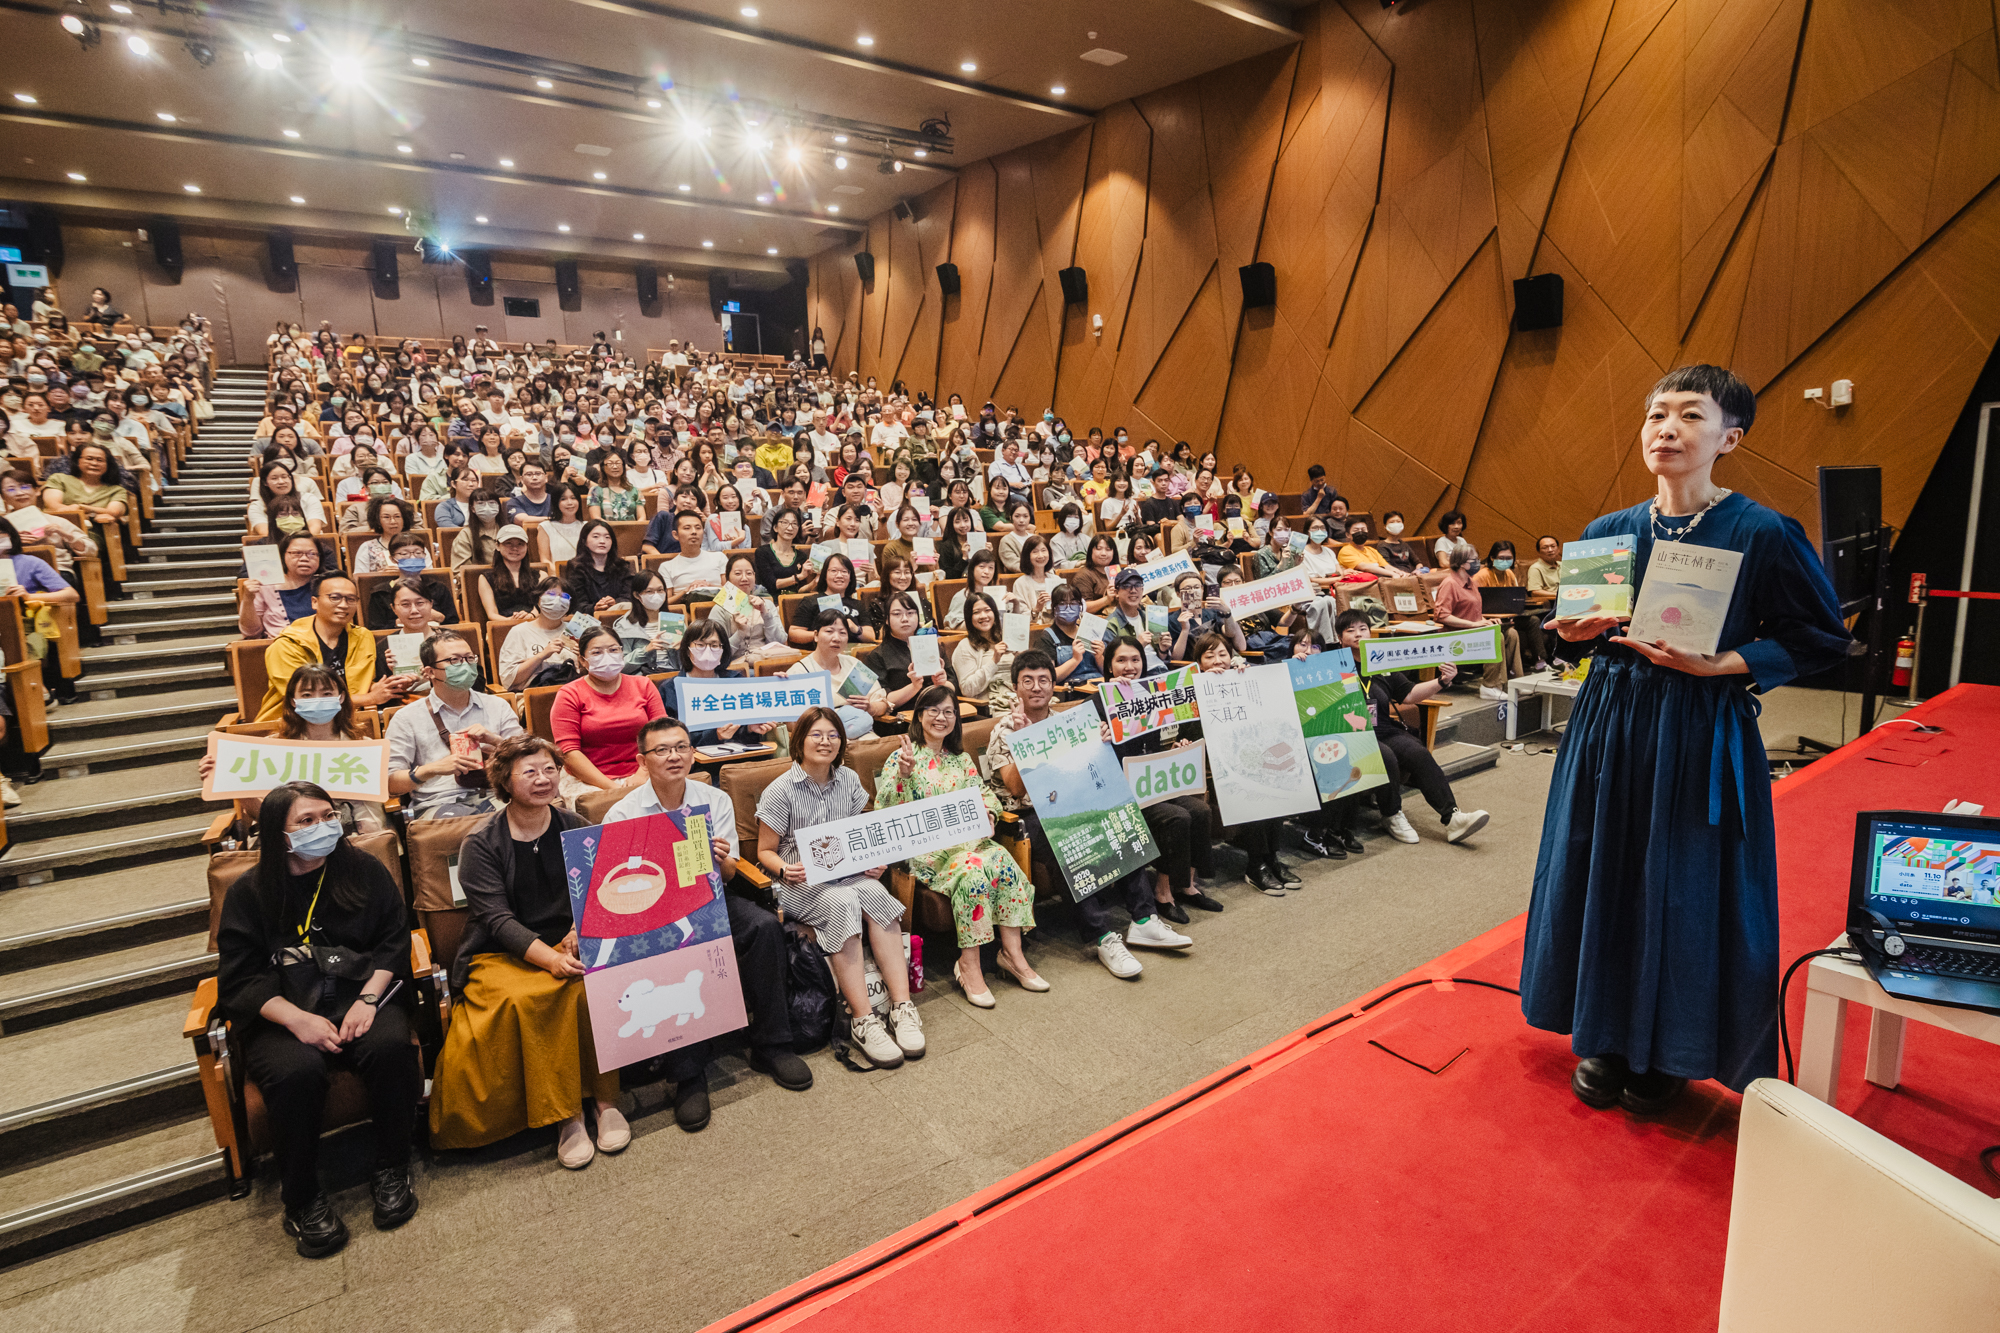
(1393, 528)
(1072, 523)
(652, 601)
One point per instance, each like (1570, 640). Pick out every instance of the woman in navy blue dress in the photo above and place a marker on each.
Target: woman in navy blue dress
(1653, 931)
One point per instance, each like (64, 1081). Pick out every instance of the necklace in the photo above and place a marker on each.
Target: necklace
(1667, 535)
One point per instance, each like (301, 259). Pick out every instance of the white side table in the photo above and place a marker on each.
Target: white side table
(1544, 683)
(1834, 983)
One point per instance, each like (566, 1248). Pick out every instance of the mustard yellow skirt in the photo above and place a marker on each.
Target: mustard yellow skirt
(519, 1055)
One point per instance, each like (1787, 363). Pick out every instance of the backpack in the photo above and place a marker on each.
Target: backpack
(809, 990)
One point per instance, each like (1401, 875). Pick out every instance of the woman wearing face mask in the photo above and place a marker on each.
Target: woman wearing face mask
(705, 650)
(298, 1013)
(596, 718)
(649, 646)
(520, 1053)
(1458, 607)
(541, 644)
(642, 473)
(1076, 660)
(1071, 541)
(277, 481)
(1402, 556)
(386, 517)
(391, 607)
(830, 643)
(317, 708)
(477, 541)
(754, 632)
(1501, 571)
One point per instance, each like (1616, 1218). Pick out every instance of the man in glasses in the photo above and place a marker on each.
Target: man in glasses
(329, 635)
(426, 759)
(668, 754)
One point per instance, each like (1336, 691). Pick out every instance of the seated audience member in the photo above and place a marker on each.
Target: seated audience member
(1458, 607)
(982, 579)
(596, 717)
(648, 646)
(1183, 828)
(836, 594)
(374, 485)
(891, 660)
(599, 580)
(519, 1053)
(982, 662)
(1401, 556)
(1021, 526)
(475, 542)
(1030, 592)
(1499, 571)
(1545, 575)
(754, 632)
(413, 612)
(667, 750)
(561, 530)
(1258, 837)
(277, 482)
(781, 567)
(1404, 756)
(454, 505)
(985, 885)
(820, 788)
(1452, 538)
(692, 577)
(20, 493)
(311, 902)
(533, 498)
(1195, 614)
(1358, 557)
(434, 781)
(267, 609)
(331, 636)
(1100, 566)
(1127, 619)
(507, 589)
(1034, 688)
(388, 518)
(705, 649)
(1076, 661)
(89, 493)
(857, 714)
(411, 558)
(317, 708)
(1318, 496)
(540, 645)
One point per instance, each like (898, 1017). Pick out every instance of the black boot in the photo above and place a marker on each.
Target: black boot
(1599, 1080)
(1651, 1092)
(319, 1229)
(691, 1103)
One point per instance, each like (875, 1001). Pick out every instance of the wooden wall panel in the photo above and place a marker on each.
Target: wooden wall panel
(1398, 168)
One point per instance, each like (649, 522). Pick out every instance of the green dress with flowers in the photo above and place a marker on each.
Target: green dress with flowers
(984, 882)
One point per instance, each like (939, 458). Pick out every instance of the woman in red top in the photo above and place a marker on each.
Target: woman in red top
(1459, 607)
(596, 718)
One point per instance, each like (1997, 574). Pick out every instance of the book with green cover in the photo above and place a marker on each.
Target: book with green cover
(1596, 579)
(859, 681)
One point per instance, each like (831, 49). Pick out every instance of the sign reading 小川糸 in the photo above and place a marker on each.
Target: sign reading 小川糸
(253, 765)
(1401, 652)
(844, 848)
(716, 701)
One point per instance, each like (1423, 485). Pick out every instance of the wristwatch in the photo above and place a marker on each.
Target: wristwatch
(370, 1000)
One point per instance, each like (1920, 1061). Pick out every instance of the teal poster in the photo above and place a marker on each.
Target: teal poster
(1084, 801)
(1333, 713)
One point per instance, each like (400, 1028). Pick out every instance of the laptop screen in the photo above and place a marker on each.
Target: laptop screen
(1938, 873)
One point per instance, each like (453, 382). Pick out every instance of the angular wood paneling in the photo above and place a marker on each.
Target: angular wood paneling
(1800, 196)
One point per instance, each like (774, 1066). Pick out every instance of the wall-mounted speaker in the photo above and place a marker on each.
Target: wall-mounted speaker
(1538, 302)
(282, 274)
(1075, 287)
(166, 235)
(948, 279)
(478, 275)
(864, 264)
(388, 286)
(1260, 285)
(45, 243)
(648, 279)
(718, 292)
(569, 290)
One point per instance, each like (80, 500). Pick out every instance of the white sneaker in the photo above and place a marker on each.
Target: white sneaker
(909, 1029)
(1117, 959)
(1488, 692)
(1399, 828)
(872, 1036)
(8, 794)
(1153, 933)
(1465, 823)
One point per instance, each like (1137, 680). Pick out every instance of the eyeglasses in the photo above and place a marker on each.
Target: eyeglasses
(670, 751)
(341, 598)
(946, 712)
(454, 661)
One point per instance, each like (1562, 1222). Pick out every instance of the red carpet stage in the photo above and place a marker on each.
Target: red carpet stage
(1333, 1180)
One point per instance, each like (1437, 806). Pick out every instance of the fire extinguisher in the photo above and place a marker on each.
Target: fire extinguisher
(1906, 650)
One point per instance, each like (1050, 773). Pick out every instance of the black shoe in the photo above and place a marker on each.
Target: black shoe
(1172, 911)
(1199, 901)
(1324, 844)
(1282, 875)
(1651, 1092)
(1599, 1080)
(318, 1228)
(785, 1068)
(1260, 878)
(691, 1103)
(395, 1200)
(1351, 841)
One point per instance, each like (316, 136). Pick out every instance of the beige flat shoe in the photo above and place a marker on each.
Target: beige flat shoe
(573, 1146)
(1032, 981)
(982, 1000)
(614, 1134)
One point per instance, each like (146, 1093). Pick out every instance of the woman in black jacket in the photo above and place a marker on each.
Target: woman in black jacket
(313, 941)
(599, 579)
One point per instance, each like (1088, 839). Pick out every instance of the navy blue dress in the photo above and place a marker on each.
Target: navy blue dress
(1653, 930)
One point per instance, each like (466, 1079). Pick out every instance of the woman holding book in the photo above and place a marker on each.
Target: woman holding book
(894, 660)
(982, 661)
(861, 698)
(750, 620)
(1652, 934)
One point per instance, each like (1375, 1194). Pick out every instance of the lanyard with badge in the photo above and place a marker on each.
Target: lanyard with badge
(308, 971)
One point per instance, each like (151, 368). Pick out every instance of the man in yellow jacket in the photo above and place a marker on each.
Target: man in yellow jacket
(328, 635)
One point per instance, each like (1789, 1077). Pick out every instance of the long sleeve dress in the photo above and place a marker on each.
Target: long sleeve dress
(1653, 929)
(983, 880)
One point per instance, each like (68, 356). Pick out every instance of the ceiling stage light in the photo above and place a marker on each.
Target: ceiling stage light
(138, 46)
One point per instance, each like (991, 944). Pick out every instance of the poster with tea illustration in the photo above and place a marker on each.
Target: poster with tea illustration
(1596, 579)
(1332, 703)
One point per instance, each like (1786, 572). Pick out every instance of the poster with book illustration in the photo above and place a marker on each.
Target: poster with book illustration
(1083, 799)
(1596, 578)
(1256, 749)
(1332, 704)
(1685, 596)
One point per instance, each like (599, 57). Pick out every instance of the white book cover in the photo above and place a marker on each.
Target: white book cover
(975, 540)
(924, 659)
(1685, 596)
(1014, 630)
(262, 564)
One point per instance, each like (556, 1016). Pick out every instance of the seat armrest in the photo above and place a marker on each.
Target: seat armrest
(206, 996)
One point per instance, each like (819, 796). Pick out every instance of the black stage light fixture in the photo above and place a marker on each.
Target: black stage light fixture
(284, 264)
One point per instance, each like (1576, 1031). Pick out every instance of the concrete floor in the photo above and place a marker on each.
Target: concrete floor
(782, 1184)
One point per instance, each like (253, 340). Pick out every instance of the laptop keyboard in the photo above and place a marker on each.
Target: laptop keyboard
(1949, 962)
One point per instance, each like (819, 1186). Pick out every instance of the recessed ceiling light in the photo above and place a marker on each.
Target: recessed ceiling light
(752, 122)
(29, 98)
(833, 208)
(404, 148)
(167, 116)
(121, 9)
(840, 138)
(653, 103)
(562, 226)
(543, 83)
(694, 128)
(748, 12)
(506, 161)
(77, 176)
(920, 152)
(864, 41)
(397, 211)
(840, 162)
(420, 62)
(267, 60)
(793, 154)
(638, 235)
(289, 134)
(685, 187)
(345, 69)
(763, 198)
(597, 175)
(967, 66)
(138, 46)
(456, 157)
(1058, 90)
(771, 250)
(481, 219)
(708, 245)
(192, 189)
(280, 37)
(298, 199)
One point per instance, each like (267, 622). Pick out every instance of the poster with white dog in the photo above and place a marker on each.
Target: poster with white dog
(652, 930)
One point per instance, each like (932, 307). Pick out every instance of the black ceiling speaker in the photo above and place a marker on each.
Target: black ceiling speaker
(1538, 302)
(45, 243)
(864, 264)
(649, 284)
(478, 275)
(1260, 285)
(166, 235)
(284, 270)
(569, 291)
(1075, 288)
(904, 212)
(388, 286)
(718, 291)
(948, 279)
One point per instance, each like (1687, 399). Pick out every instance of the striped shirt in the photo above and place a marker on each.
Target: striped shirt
(795, 801)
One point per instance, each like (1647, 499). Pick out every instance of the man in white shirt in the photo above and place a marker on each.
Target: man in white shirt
(825, 444)
(1008, 465)
(886, 433)
(423, 769)
(685, 574)
(759, 941)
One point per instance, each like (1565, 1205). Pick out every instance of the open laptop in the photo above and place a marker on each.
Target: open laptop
(1936, 878)
(1503, 601)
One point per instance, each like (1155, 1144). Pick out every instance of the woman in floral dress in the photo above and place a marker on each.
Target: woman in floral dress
(987, 887)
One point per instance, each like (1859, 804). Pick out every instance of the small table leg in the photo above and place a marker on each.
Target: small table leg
(1513, 712)
(1819, 1045)
(1885, 1048)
